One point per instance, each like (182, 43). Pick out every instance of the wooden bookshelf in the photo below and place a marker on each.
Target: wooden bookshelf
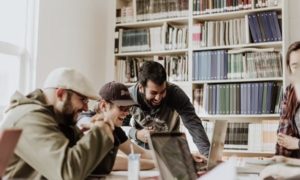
(189, 20)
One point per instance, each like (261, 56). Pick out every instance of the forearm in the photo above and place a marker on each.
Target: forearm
(146, 164)
(146, 154)
(121, 163)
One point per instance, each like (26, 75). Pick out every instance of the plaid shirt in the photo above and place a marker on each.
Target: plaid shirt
(287, 126)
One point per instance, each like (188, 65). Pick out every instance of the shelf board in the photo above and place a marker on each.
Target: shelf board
(273, 44)
(237, 80)
(245, 153)
(152, 23)
(151, 53)
(179, 83)
(240, 117)
(233, 14)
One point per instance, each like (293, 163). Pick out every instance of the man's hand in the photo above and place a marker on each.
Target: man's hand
(199, 158)
(200, 161)
(287, 141)
(105, 121)
(143, 134)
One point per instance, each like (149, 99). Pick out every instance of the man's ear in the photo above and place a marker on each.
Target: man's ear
(60, 93)
(141, 88)
(102, 105)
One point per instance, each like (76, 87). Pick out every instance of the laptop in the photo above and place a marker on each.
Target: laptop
(8, 142)
(173, 157)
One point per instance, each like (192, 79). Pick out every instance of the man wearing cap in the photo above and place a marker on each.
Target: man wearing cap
(161, 105)
(51, 146)
(115, 100)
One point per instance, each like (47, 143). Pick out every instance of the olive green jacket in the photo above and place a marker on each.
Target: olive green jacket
(48, 147)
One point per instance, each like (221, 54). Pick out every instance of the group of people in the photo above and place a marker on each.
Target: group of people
(63, 139)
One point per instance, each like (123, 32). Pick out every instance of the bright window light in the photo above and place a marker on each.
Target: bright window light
(9, 76)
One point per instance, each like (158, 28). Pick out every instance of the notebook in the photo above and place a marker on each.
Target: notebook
(173, 157)
(8, 142)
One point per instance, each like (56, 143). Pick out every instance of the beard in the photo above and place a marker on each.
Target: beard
(68, 112)
(149, 102)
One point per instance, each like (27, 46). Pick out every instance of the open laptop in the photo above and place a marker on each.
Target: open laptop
(173, 157)
(8, 142)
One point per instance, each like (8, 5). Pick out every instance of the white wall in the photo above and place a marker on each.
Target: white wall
(294, 20)
(109, 73)
(72, 33)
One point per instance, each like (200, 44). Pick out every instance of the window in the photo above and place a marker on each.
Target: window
(18, 22)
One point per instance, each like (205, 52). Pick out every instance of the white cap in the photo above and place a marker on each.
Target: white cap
(68, 78)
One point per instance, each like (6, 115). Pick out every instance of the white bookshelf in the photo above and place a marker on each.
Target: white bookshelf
(239, 80)
(190, 84)
(233, 14)
(152, 53)
(241, 117)
(158, 22)
(277, 44)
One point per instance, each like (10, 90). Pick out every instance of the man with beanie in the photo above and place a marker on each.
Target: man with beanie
(51, 146)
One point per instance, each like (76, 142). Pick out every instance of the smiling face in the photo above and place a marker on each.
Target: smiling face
(294, 63)
(71, 104)
(120, 112)
(153, 93)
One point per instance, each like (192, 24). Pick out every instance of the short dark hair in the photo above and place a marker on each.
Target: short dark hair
(293, 47)
(154, 71)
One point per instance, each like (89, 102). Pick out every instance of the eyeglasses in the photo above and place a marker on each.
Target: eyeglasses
(121, 108)
(82, 98)
(124, 108)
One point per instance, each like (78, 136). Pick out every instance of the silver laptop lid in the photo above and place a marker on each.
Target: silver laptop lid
(172, 156)
(217, 143)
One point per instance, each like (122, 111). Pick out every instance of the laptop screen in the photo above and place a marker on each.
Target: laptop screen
(173, 156)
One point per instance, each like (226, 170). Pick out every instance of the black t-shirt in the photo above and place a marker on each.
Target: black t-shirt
(120, 136)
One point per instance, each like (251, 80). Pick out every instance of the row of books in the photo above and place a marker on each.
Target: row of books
(159, 9)
(219, 65)
(242, 98)
(146, 10)
(165, 37)
(217, 6)
(265, 27)
(219, 33)
(255, 137)
(176, 67)
(124, 15)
